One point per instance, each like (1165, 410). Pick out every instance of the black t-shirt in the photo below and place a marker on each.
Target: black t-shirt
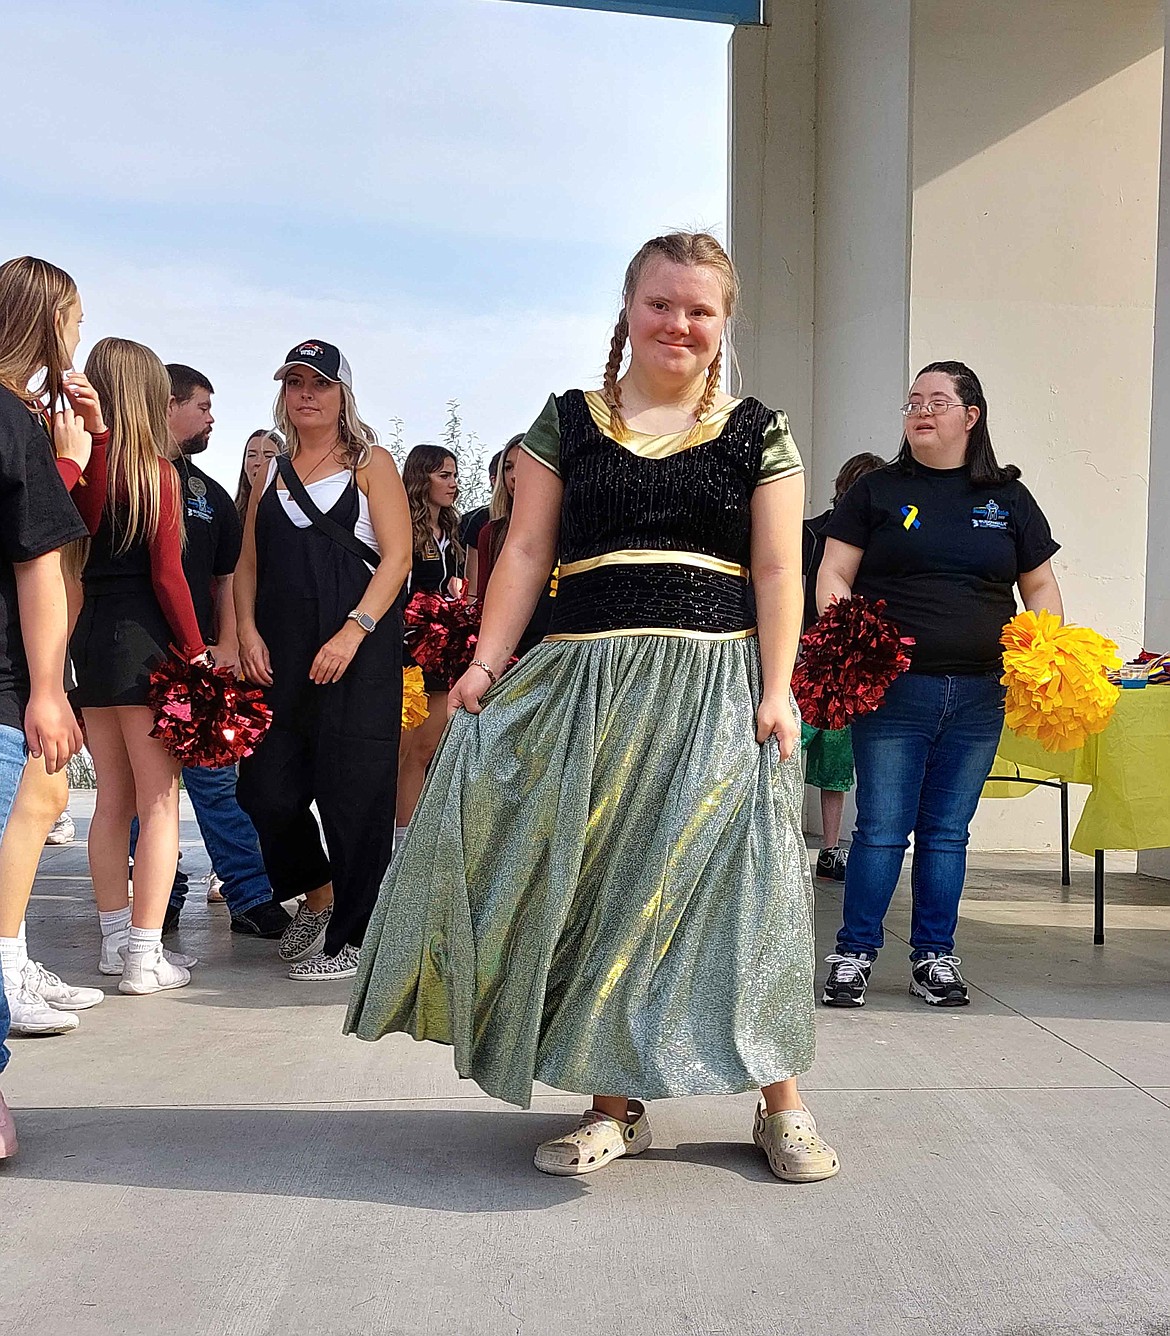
(945, 555)
(36, 516)
(471, 525)
(214, 537)
(812, 542)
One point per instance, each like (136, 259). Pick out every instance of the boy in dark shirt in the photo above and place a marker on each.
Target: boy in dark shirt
(214, 535)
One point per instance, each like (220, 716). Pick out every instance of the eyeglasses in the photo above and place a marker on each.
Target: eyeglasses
(930, 409)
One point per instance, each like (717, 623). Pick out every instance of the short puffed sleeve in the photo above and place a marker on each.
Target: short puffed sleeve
(780, 457)
(543, 439)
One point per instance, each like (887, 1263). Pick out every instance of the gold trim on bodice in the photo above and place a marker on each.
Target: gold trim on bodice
(645, 445)
(675, 632)
(653, 557)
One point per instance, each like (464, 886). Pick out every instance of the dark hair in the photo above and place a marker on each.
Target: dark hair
(985, 469)
(185, 380)
(852, 470)
(494, 464)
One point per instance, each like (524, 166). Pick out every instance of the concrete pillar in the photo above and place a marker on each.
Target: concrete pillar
(772, 109)
(863, 148)
(1156, 862)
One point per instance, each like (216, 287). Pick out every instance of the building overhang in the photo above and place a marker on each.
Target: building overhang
(706, 11)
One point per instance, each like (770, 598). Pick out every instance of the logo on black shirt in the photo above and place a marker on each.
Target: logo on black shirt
(910, 518)
(990, 516)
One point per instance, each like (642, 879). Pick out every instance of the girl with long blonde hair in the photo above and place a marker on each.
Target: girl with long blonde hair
(46, 406)
(136, 604)
(605, 887)
(431, 478)
(40, 318)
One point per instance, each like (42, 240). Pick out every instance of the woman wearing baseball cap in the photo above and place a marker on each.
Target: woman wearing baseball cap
(326, 551)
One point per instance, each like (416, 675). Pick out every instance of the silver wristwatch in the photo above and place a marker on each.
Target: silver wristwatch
(363, 619)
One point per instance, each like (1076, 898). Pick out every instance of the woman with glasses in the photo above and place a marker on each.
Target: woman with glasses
(945, 535)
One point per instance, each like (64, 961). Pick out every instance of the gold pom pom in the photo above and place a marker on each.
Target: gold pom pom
(1057, 688)
(414, 698)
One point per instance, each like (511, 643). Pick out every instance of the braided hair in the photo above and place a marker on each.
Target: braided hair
(686, 248)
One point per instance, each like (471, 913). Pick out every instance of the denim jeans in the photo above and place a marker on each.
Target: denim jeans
(229, 837)
(922, 758)
(12, 758)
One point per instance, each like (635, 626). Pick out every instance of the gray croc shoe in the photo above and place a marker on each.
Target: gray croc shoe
(796, 1152)
(594, 1143)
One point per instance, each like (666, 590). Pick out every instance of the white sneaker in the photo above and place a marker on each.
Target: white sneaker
(151, 972)
(111, 961)
(214, 889)
(51, 988)
(32, 1015)
(63, 831)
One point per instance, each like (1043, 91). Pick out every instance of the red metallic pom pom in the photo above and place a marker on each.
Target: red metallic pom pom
(442, 634)
(203, 715)
(848, 658)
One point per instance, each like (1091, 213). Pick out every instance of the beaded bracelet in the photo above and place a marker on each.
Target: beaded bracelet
(479, 663)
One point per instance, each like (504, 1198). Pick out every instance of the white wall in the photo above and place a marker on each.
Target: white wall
(1035, 214)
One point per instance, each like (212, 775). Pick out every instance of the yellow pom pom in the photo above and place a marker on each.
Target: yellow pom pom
(1055, 674)
(414, 698)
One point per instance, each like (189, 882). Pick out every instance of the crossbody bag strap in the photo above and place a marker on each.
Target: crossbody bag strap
(330, 528)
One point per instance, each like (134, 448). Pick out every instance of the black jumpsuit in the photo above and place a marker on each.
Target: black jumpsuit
(336, 745)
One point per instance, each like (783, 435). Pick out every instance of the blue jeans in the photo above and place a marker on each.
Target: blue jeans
(229, 837)
(12, 758)
(922, 758)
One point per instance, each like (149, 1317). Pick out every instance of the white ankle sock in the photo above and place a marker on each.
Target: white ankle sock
(143, 940)
(12, 957)
(114, 921)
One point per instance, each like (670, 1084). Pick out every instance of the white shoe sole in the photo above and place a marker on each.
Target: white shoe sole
(917, 990)
(312, 949)
(63, 1026)
(79, 1005)
(144, 990)
(323, 978)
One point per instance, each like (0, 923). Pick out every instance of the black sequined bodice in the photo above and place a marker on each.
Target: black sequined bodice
(660, 543)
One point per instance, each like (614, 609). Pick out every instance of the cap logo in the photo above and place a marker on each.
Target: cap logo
(309, 349)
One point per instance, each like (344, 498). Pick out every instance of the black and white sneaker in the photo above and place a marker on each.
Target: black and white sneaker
(847, 981)
(936, 980)
(343, 965)
(831, 863)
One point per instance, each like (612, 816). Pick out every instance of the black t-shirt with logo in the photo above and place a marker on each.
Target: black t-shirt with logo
(945, 555)
(214, 537)
(36, 516)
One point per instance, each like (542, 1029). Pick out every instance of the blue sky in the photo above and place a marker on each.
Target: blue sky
(448, 189)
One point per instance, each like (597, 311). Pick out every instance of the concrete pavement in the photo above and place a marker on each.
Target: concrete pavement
(220, 1161)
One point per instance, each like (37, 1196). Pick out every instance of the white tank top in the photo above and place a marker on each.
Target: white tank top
(325, 493)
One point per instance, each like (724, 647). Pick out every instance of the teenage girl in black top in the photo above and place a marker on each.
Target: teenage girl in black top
(137, 605)
(431, 478)
(945, 535)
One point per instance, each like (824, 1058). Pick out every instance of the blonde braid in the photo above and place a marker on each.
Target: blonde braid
(707, 401)
(610, 390)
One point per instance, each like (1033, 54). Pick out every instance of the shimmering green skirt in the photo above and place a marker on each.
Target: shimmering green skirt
(605, 887)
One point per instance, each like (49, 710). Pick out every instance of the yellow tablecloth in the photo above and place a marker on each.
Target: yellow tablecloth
(1127, 766)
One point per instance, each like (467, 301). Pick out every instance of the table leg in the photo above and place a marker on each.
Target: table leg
(1099, 897)
(1065, 875)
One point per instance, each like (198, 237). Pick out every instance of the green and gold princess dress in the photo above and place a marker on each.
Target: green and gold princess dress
(605, 887)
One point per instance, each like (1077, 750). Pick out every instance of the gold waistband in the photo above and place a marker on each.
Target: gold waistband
(640, 556)
(676, 632)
